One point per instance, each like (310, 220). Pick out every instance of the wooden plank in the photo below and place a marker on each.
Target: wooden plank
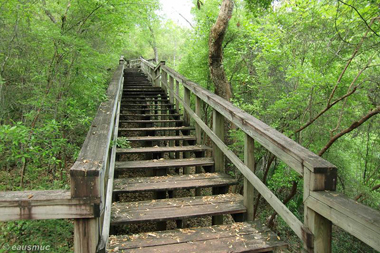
(147, 105)
(162, 163)
(165, 183)
(49, 204)
(249, 190)
(186, 99)
(151, 121)
(361, 222)
(91, 157)
(283, 147)
(198, 111)
(198, 148)
(178, 208)
(156, 128)
(237, 237)
(161, 138)
(151, 115)
(300, 230)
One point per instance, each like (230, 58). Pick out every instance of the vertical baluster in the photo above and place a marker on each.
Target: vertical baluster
(249, 190)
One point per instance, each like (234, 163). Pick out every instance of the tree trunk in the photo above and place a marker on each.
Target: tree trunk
(215, 58)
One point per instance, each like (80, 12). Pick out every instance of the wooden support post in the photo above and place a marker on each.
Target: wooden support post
(198, 111)
(85, 235)
(198, 134)
(86, 231)
(177, 93)
(164, 80)
(186, 100)
(171, 89)
(218, 129)
(320, 227)
(249, 160)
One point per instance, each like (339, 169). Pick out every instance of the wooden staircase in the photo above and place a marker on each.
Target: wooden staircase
(166, 161)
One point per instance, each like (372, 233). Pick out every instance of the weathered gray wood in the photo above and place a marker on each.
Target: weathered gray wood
(178, 208)
(171, 90)
(156, 128)
(161, 138)
(249, 190)
(165, 183)
(300, 230)
(198, 111)
(283, 147)
(320, 227)
(198, 148)
(218, 129)
(165, 163)
(86, 177)
(152, 121)
(86, 234)
(150, 115)
(177, 93)
(359, 220)
(49, 204)
(109, 187)
(186, 99)
(237, 237)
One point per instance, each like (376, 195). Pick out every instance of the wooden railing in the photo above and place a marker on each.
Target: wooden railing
(88, 202)
(322, 206)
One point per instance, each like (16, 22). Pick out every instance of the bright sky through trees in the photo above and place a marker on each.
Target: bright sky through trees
(173, 9)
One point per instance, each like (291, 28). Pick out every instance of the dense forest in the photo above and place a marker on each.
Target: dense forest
(310, 69)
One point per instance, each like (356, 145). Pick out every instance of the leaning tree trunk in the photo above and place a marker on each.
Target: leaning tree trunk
(215, 57)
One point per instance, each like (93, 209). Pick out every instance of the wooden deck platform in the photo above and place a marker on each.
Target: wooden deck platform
(237, 237)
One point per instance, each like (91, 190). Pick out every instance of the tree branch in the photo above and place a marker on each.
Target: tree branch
(353, 126)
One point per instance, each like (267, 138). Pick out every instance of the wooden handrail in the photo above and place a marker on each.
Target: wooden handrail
(321, 208)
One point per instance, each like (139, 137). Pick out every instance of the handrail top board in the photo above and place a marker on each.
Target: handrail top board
(283, 147)
(91, 157)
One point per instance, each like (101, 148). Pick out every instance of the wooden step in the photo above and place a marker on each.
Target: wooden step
(197, 148)
(151, 115)
(151, 88)
(165, 183)
(151, 121)
(156, 128)
(162, 138)
(176, 208)
(236, 237)
(164, 163)
(148, 109)
(123, 105)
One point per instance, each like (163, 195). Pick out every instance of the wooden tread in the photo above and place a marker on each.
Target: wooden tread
(198, 148)
(177, 208)
(164, 163)
(162, 138)
(151, 121)
(146, 105)
(150, 114)
(165, 183)
(149, 109)
(157, 128)
(237, 237)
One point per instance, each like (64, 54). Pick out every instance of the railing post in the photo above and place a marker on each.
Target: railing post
(171, 89)
(198, 111)
(177, 93)
(218, 129)
(86, 233)
(320, 227)
(186, 100)
(249, 190)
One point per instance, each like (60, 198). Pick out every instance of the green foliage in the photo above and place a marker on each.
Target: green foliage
(122, 142)
(56, 60)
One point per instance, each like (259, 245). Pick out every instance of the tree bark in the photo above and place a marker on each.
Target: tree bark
(215, 58)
